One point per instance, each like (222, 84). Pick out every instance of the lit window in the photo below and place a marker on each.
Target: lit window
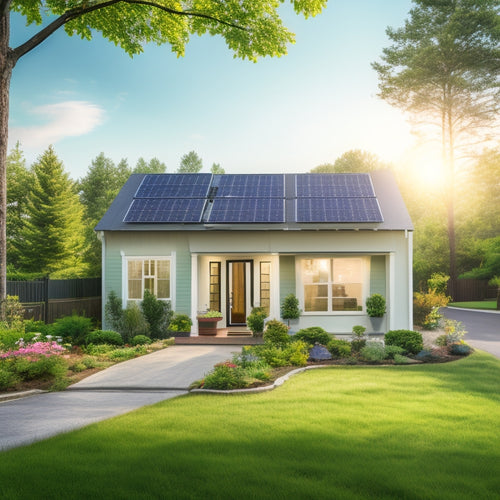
(333, 284)
(148, 274)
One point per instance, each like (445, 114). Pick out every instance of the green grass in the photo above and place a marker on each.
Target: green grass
(479, 304)
(398, 432)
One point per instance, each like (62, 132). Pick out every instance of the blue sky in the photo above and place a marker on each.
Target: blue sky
(285, 114)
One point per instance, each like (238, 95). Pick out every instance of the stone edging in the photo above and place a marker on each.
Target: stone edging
(279, 381)
(9, 396)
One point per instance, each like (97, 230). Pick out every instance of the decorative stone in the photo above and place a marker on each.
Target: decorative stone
(319, 352)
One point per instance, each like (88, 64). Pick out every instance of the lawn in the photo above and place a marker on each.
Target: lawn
(351, 432)
(478, 304)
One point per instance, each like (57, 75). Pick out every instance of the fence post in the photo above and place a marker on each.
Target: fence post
(46, 299)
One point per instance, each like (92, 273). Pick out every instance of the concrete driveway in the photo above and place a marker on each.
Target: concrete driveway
(483, 327)
(122, 388)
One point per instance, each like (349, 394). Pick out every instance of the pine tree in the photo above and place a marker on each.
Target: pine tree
(19, 180)
(53, 234)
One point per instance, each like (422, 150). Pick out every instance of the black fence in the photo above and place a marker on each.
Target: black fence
(48, 299)
(466, 290)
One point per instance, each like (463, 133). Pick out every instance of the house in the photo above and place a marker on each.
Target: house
(232, 242)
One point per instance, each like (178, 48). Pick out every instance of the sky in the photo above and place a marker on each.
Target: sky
(285, 114)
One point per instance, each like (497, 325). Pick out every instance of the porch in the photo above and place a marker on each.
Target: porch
(224, 336)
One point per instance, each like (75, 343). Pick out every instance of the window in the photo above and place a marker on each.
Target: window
(265, 285)
(148, 274)
(215, 286)
(333, 284)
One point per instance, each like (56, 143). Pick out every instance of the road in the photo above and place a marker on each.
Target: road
(483, 328)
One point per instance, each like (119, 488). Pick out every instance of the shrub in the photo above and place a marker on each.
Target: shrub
(276, 334)
(31, 325)
(140, 340)
(438, 282)
(157, 313)
(297, 353)
(441, 341)
(8, 379)
(77, 367)
(409, 340)
(401, 360)
(426, 308)
(392, 350)
(272, 355)
(357, 345)
(43, 367)
(113, 311)
(10, 339)
(460, 349)
(225, 376)
(313, 335)
(13, 312)
(89, 362)
(358, 331)
(180, 323)
(255, 320)
(73, 328)
(455, 330)
(373, 351)
(134, 322)
(99, 350)
(98, 337)
(339, 348)
(123, 354)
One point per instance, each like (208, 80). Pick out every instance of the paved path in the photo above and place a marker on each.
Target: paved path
(122, 388)
(483, 327)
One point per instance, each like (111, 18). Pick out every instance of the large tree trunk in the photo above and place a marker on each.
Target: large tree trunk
(6, 65)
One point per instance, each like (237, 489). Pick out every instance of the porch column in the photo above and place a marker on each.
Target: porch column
(194, 293)
(275, 311)
(391, 292)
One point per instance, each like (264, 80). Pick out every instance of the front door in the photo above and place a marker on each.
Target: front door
(239, 279)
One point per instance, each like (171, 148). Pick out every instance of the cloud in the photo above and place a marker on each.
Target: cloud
(64, 119)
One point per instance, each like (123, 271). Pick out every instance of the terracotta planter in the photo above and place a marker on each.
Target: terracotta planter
(207, 326)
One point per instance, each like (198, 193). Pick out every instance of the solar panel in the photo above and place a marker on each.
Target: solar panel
(247, 210)
(174, 186)
(175, 210)
(338, 210)
(250, 186)
(334, 186)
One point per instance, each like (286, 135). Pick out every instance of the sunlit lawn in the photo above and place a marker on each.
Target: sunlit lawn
(413, 432)
(478, 304)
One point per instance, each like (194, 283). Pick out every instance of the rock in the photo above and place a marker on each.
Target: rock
(318, 353)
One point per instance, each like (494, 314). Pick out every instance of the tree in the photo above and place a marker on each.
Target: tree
(443, 70)
(191, 163)
(353, 161)
(251, 29)
(217, 169)
(154, 166)
(97, 190)
(19, 180)
(52, 238)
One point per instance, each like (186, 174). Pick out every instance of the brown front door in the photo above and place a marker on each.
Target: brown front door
(237, 276)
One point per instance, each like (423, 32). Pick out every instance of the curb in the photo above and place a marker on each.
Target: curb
(19, 395)
(490, 311)
(278, 382)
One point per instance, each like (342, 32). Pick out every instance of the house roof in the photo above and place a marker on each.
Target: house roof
(197, 202)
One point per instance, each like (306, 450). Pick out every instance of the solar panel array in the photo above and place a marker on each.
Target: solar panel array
(336, 198)
(254, 198)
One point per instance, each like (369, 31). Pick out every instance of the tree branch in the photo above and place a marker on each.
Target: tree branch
(75, 13)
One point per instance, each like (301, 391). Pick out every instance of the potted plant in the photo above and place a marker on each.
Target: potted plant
(290, 308)
(375, 308)
(207, 322)
(180, 326)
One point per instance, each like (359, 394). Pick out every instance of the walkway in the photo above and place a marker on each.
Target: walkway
(122, 388)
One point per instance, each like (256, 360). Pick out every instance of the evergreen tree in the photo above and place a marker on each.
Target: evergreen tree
(97, 191)
(19, 180)
(53, 234)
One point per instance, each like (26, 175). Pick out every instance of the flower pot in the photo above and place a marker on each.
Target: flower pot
(376, 322)
(208, 326)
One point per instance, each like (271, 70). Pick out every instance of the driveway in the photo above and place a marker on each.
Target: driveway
(122, 388)
(483, 327)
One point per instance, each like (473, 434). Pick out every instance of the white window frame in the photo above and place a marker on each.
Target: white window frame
(142, 258)
(365, 273)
